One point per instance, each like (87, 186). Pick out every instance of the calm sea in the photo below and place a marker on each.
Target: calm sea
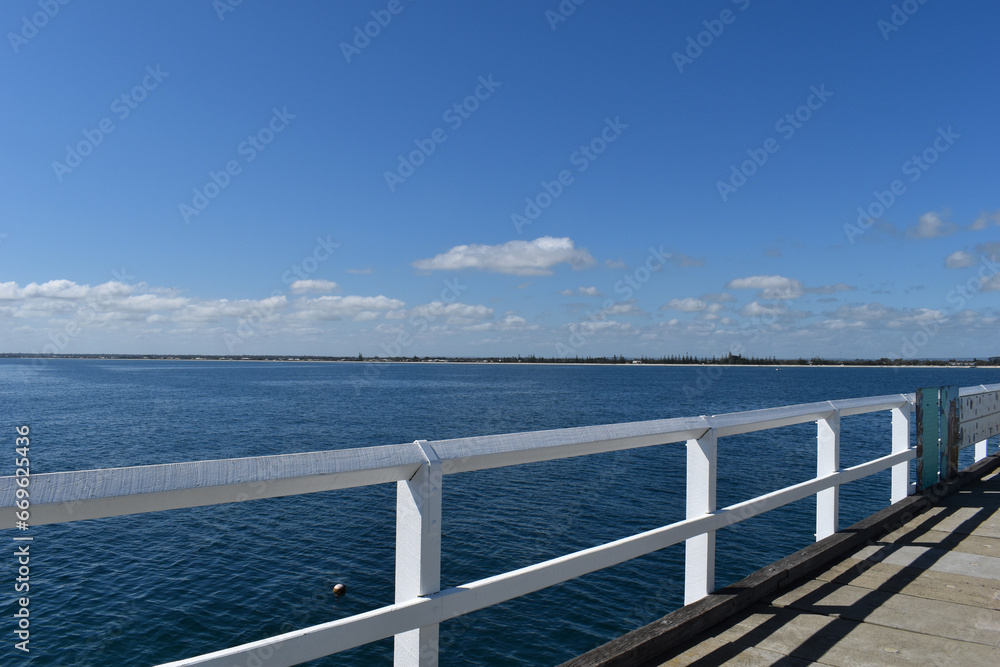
(140, 590)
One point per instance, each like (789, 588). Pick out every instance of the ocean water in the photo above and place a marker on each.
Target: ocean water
(151, 588)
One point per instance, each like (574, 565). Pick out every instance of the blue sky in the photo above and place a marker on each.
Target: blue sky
(559, 179)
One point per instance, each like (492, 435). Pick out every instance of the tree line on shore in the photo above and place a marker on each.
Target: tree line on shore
(676, 359)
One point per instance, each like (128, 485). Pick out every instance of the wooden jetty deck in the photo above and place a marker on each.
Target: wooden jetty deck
(924, 592)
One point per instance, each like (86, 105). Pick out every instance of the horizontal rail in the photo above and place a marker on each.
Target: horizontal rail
(92, 494)
(497, 451)
(393, 619)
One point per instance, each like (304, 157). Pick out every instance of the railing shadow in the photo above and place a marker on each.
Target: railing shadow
(823, 640)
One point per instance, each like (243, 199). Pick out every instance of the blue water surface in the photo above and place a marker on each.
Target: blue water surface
(150, 588)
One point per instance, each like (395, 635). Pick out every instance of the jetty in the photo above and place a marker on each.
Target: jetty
(809, 607)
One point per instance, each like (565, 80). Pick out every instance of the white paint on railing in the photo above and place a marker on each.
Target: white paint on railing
(418, 555)
(419, 468)
(827, 463)
(699, 551)
(901, 418)
(92, 494)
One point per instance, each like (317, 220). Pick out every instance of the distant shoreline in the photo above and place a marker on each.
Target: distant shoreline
(507, 361)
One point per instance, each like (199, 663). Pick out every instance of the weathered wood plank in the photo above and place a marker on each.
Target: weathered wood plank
(928, 438)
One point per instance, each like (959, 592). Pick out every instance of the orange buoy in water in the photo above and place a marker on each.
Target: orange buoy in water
(339, 589)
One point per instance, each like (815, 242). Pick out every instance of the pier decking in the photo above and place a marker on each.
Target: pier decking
(924, 593)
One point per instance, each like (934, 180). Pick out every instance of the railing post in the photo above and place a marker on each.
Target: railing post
(418, 555)
(827, 462)
(981, 450)
(699, 551)
(951, 419)
(900, 443)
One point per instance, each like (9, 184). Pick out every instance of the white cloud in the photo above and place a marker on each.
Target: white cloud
(688, 305)
(303, 286)
(986, 220)
(757, 309)
(151, 302)
(344, 307)
(221, 309)
(930, 226)
(582, 291)
(56, 289)
(101, 303)
(878, 316)
(771, 287)
(454, 313)
(590, 327)
(960, 260)
(519, 258)
(866, 312)
(626, 308)
(508, 323)
(64, 289)
(838, 325)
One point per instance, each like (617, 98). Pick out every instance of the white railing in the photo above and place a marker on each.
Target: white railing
(418, 470)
